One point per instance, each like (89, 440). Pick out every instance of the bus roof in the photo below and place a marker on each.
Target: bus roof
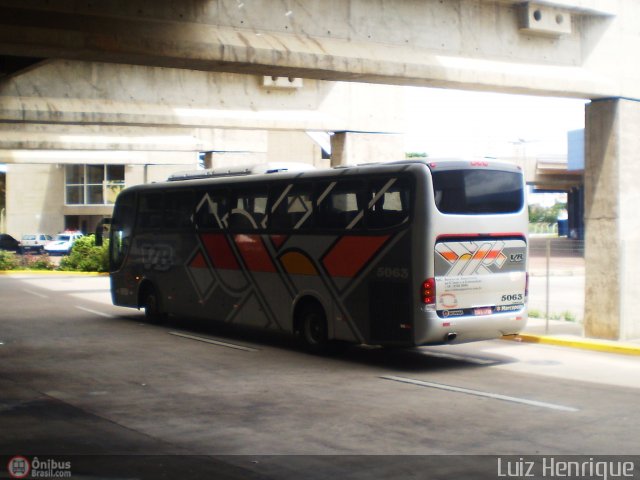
(270, 171)
(270, 167)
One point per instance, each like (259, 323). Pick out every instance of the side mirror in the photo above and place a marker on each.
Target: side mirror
(102, 230)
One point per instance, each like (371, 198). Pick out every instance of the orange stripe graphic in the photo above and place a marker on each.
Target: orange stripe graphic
(296, 263)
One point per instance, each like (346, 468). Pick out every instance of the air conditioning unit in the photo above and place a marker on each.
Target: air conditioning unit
(544, 20)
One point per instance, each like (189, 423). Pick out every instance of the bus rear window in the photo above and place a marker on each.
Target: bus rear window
(469, 192)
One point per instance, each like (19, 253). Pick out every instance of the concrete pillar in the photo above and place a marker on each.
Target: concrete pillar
(35, 199)
(350, 148)
(612, 200)
(291, 146)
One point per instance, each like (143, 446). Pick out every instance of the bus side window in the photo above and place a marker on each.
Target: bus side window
(151, 211)
(341, 205)
(389, 203)
(211, 210)
(178, 210)
(291, 207)
(248, 210)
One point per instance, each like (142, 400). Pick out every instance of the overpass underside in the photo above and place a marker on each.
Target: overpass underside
(483, 44)
(576, 48)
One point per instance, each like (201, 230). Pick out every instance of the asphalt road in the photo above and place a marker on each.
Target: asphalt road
(80, 376)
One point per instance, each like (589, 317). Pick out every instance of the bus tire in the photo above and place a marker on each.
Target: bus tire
(151, 304)
(313, 328)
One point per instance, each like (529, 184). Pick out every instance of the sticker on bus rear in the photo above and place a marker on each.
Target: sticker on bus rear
(481, 276)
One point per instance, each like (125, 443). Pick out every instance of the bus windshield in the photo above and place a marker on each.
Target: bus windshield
(471, 191)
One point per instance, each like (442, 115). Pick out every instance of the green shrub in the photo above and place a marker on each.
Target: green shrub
(8, 260)
(86, 257)
(533, 313)
(566, 315)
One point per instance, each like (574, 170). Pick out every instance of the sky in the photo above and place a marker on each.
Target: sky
(455, 123)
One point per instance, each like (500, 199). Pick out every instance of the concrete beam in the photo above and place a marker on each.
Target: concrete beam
(71, 92)
(98, 157)
(48, 136)
(458, 43)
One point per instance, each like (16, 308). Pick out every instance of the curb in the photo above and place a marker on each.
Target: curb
(607, 346)
(52, 272)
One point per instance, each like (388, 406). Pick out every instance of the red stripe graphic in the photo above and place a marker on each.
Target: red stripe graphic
(350, 254)
(278, 240)
(254, 253)
(198, 261)
(219, 251)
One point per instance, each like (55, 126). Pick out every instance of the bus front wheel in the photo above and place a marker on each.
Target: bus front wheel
(313, 328)
(151, 304)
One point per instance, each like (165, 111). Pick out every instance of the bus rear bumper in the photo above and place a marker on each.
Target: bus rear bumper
(431, 329)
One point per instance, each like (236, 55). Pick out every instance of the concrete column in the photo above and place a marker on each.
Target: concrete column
(35, 199)
(350, 148)
(612, 202)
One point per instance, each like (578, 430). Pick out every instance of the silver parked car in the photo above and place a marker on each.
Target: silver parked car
(35, 242)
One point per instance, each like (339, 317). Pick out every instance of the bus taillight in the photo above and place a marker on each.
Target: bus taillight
(429, 291)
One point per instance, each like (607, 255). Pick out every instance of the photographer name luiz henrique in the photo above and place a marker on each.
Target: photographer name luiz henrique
(551, 467)
(22, 467)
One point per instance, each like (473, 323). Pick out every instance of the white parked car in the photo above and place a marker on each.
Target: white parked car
(63, 243)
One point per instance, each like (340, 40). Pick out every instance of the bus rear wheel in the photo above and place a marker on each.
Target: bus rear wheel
(313, 329)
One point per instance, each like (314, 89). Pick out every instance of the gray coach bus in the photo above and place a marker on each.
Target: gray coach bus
(400, 254)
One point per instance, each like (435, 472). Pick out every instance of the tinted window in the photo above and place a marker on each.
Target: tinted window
(248, 210)
(178, 210)
(341, 205)
(389, 202)
(292, 207)
(211, 210)
(478, 191)
(151, 211)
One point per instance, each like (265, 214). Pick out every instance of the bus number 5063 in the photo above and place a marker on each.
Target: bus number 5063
(516, 297)
(396, 273)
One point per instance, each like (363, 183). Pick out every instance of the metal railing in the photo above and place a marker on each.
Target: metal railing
(556, 292)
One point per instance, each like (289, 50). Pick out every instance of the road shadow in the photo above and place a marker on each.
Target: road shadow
(407, 359)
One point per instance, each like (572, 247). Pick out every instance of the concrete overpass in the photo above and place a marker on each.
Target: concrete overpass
(576, 48)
